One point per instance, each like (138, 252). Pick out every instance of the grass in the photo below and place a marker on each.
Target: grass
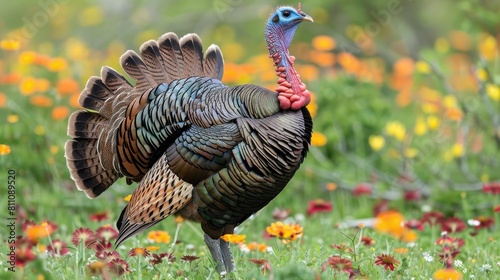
(397, 136)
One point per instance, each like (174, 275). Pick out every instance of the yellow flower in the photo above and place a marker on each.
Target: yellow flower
(27, 57)
(76, 49)
(396, 130)
(433, 122)
(482, 74)
(28, 86)
(449, 101)
(152, 248)
(54, 149)
(39, 130)
(422, 67)
(447, 274)
(376, 142)
(4, 149)
(57, 64)
(323, 43)
(318, 139)
(457, 150)
(159, 236)
(12, 118)
(127, 198)
(234, 238)
(284, 231)
(488, 48)
(442, 45)
(411, 153)
(493, 91)
(10, 45)
(420, 127)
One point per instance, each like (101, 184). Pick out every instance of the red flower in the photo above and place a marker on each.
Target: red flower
(118, 266)
(99, 216)
(453, 224)
(446, 240)
(414, 224)
(362, 189)
(84, 235)
(264, 264)
(367, 240)
(318, 205)
(484, 222)
(341, 248)
(496, 209)
(106, 233)
(388, 261)
(158, 258)
(341, 264)
(281, 213)
(138, 252)
(27, 224)
(24, 252)
(432, 218)
(189, 258)
(412, 195)
(492, 187)
(57, 247)
(104, 251)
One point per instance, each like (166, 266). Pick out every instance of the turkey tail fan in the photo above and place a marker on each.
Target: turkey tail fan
(89, 156)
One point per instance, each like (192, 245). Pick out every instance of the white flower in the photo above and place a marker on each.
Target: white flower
(244, 248)
(443, 233)
(485, 268)
(472, 276)
(473, 223)
(428, 257)
(458, 263)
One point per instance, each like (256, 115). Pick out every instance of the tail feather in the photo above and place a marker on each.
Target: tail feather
(137, 69)
(192, 51)
(171, 54)
(150, 53)
(213, 65)
(85, 124)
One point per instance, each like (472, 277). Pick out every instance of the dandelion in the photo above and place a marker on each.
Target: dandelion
(234, 238)
(286, 232)
(84, 235)
(4, 150)
(362, 189)
(143, 252)
(376, 142)
(318, 139)
(319, 205)
(341, 264)
(388, 261)
(447, 274)
(427, 256)
(58, 247)
(159, 236)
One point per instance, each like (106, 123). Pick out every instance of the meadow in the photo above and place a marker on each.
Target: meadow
(402, 179)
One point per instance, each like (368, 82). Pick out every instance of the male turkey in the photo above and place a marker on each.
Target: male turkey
(199, 149)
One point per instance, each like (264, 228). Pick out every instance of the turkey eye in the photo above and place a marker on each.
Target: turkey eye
(286, 13)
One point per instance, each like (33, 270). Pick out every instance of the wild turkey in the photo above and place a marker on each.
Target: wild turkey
(208, 152)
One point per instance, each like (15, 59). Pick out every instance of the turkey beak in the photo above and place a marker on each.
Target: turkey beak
(307, 18)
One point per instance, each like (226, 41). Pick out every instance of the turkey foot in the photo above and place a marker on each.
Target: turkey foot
(221, 253)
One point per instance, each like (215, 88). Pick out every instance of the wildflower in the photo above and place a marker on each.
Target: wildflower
(99, 216)
(58, 247)
(264, 264)
(284, 231)
(368, 241)
(105, 252)
(446, 240)
(57, 64)
(24, 252)
(427, 256)
(106, 233)
(341, 264)
(362, 189)
(159, 236)
(390, 222)
(488, 48)
(189, 258)
(4, 150)
(323, 43)
(84, 235)
(234, 238)
(493, 91)
(118, 266)
(414, 224)
(60, 113)
(412, 195)
(342, 248)
(179, 219)
(432, 218)
(10, 78)
(318, 139)
(453, 225)
(376, 142)
(96, 267)
(10, 45)
(422, 67)
(319, 205)
(388, 261)
(27, 86)
(401, 250)
(447, 274)
(496, 209)
(41, 101)
(433, 122)
(254, 246)
(158, 258)
(152, 248)
(396, 130)
(281, 213)
(36, 232)
(67, 86)
(458, 263)
(484, 222)
(331, 186)
(486, 268)
(492, 187)
(143, 252)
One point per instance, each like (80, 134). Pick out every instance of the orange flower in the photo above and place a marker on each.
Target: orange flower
(460, 40)
(307, 72)
(67, 86)
(10, 78)
(4, 149)
(391, 222)
(234, 238)
(28, 86)
(323, 43)
(454, 114)
(73, 100)
(60, 112)
(254, 246)
(447, 274)
(349, 62)
(488, 47)
(41, 60)
(285, 232)
(36, 232)
(41, 101)
(404, 67)
(159, 236)
(403, 98)
(27, 57)
(3, 100)
(318, 139)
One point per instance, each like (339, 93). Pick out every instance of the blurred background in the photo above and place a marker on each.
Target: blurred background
(406, 93)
